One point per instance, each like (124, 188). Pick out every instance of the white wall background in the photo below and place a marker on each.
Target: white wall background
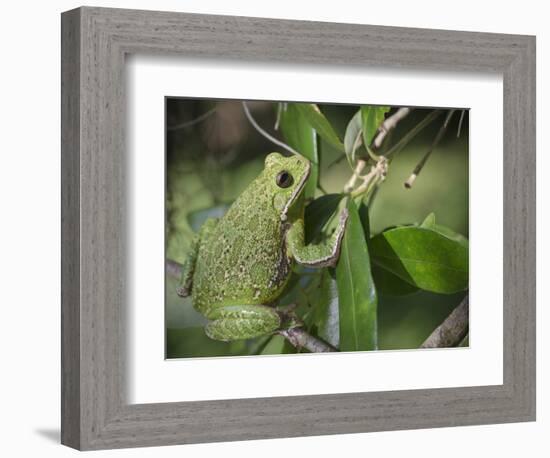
(30, 227)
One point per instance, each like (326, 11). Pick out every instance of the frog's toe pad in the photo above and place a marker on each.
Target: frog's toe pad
(183, 291)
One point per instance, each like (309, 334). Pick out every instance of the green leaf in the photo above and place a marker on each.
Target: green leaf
(363, 211)
(371, 118)
(429, 223)
(423, 258)
(317, 120)
(356, 292)
(317, 214)
(197, 218)
(390, 284)
(275, 346)
(258, 344)
(386, 283)
(299, 135)
(291, 292)
(352, 137)
(325, 315)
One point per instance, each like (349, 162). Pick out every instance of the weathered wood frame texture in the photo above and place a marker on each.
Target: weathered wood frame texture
(95, 413)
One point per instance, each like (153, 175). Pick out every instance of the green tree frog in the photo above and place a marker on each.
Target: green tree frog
(238, 265)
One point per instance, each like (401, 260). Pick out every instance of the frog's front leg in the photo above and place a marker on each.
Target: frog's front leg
(188, 267)
(322, 255)
(235, 322)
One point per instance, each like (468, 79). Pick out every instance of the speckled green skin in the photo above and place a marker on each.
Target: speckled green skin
(239, 265)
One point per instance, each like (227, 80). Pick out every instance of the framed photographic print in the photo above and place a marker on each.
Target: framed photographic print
(280, 228)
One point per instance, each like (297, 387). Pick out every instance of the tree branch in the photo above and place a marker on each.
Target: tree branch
(301, 339)
(383, 130)
(264, 133)
(408, 184)
(192, 122)
(451, 332)
(388, 125)
(413, 132)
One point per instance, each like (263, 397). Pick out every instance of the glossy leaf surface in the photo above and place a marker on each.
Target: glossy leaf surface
(371, 118)
(317, 214)
(320, 123)
(301, 136)
(356, 290)
(423, 258)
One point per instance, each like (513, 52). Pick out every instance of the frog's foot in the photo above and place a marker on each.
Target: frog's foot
(289, 318)
(236, 322)
(290, 321)
(183, 291)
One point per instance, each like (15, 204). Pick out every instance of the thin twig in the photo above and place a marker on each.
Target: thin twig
(408, 184)
(376, 175)
(301, 339)
(389, 124)
(281, 106)
(460, 123)
(359, 167)
(198, 119)
(383, 130)
(264, 133)
(413, 132)
(453, 330)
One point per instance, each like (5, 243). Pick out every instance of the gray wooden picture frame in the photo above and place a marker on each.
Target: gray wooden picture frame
(95, 41)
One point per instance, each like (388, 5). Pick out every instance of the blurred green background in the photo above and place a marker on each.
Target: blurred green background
(213, 153)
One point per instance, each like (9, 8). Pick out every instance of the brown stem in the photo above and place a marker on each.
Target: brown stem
(264, 133)
(453, 330)
(361, 164)
(301, 339)
(412, 133)
(408, 184)
(198, 119)
(388, 125)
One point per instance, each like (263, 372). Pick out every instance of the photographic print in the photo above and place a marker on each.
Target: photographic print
(297, 227)
(307, 228)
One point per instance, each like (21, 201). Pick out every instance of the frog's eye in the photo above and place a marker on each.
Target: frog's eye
(284, 179)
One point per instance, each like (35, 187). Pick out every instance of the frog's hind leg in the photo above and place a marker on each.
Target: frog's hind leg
(235, 322)
(188, 267)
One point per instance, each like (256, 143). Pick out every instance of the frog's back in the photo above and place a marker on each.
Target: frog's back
(244, 259)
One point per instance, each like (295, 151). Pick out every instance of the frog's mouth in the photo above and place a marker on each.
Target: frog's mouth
(297, 190)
